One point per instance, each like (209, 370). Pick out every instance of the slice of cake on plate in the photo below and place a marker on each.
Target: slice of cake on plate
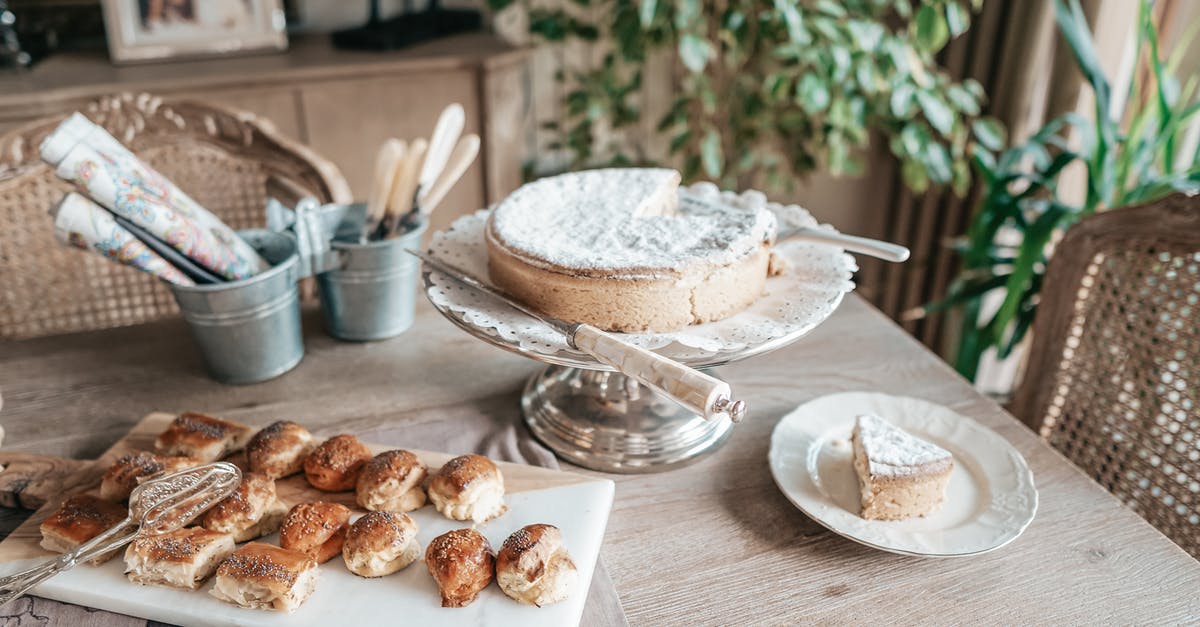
(901, 475)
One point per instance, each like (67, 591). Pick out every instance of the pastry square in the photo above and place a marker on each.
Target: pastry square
(279, 449)
(202, 437)
(79, 519)
(262, 576)
(127, 472)
(900, 475)
(252, 511)
(183, 558)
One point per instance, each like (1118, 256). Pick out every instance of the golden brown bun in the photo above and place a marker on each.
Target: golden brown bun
(334, 465)
(279, 449)
(267, 577)
(462, 564)
(391, 481)
(252, 511)
(183, 558)
(381, 543)
(202, 437)
(469, 487)
(534, 568)
(127, 472)
(79, 519)
(317, 529)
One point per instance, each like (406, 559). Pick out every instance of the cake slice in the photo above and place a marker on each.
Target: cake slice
(900, 475)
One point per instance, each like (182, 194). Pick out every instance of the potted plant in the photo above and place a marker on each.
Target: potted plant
(771, 89)
(1131, 155)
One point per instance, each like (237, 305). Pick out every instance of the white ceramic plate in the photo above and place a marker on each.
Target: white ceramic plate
(991, 498)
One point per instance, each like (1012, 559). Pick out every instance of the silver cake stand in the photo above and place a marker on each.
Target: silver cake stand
(597, 418)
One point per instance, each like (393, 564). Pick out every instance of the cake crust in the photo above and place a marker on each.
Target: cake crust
(900, 476)
(631, 262)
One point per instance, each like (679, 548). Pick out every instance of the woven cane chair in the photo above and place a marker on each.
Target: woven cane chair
(230, 162)
(1114, 379)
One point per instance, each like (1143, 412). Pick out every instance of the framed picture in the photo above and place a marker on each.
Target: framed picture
(154, 30)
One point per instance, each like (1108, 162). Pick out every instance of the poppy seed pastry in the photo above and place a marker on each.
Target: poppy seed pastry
(615, 249)
(279, 449)
(202, 437)
(900, 475)
(534, 568)
(252, 511)
(334, 465)
(183, 558)
(128, 471)
(261, 576)
(469, 487)
(462, 564)
(391, 481)
(381, 543)
(317, 529)
(79, 519)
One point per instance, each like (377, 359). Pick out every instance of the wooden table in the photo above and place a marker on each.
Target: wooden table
(714, 543)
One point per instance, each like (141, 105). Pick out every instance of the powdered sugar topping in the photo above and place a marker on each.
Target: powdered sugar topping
(624, 220)
(892, 451)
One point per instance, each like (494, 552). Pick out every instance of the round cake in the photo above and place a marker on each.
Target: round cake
(617, 249)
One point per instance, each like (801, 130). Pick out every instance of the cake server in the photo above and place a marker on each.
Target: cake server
(707, 396)
(886, 251)
(157, 506)
(445, 135)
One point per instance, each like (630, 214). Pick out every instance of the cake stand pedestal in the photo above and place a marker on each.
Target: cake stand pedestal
(597, 418)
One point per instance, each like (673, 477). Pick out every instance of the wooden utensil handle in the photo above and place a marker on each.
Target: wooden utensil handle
(707, 396)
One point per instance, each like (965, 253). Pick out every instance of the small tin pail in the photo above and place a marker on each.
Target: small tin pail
(371, 293)
(249, 330)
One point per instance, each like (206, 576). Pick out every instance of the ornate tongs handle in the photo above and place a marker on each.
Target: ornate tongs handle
(15, 586)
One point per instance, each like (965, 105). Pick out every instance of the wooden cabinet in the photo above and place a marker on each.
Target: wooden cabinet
(343, 104)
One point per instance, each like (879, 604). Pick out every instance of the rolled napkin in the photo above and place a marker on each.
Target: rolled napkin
(101, 167)
(82, 223)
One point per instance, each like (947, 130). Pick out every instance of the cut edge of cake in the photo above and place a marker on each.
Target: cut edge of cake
(900, 475)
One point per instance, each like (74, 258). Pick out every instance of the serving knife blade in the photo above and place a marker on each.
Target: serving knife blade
(700, 393)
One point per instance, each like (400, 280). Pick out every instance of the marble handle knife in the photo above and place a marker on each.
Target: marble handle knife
(707, 396)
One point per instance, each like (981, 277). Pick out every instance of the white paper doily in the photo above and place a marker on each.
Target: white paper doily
(795, 302)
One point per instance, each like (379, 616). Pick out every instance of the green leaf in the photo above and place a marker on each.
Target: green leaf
(694, 52)
(938, 160)
(686, 12)
(932, 31)
(679, 141)
(793, 19)
(866, 34)
(499, 5)
(937, 112)
(902, 101)
(956, 19)
(830, 8)
(710, 154)
(813, 93)
(962, 100)
(989, 132)
(646, 12)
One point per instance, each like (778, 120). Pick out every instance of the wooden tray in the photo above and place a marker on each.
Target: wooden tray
(576, 504)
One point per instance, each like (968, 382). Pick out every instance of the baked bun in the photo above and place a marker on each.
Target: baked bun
(391, 481)
(469, 487)
(79, 519)
(534, 568)
(266, 577)
(183, 558)
(462, 563)
(202, 437)
(334, 465)
(127, 472)
(381, 543)
(317, 529)
(279, 449)
(252, 511)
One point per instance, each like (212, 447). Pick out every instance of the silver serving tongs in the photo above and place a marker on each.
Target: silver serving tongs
(158, 506)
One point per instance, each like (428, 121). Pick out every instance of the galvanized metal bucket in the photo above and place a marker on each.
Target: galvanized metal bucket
(249, 330)
(371, 293)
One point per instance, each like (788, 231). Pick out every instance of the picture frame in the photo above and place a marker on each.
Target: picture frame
(141, 31)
